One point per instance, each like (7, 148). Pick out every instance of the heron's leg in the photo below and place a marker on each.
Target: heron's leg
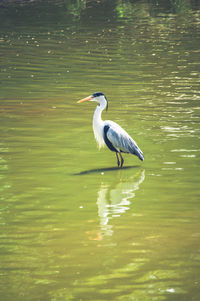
(118, 162)
(122, 160)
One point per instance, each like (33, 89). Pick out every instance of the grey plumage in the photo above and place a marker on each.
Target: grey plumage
(121, 140)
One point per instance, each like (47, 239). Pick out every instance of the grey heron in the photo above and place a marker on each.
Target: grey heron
(110, 133)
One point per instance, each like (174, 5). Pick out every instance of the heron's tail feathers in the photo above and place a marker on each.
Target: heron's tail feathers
(140, 155)
(136, 151)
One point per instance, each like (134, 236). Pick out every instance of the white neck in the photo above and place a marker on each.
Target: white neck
(98, 124)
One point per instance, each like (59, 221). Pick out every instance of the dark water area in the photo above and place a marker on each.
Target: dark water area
(72, 225)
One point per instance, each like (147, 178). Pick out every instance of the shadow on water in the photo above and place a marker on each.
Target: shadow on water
(100, 170)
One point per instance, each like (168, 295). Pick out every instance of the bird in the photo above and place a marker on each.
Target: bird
(110, 133)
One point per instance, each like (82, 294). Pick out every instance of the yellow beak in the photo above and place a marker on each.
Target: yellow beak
(86, 99)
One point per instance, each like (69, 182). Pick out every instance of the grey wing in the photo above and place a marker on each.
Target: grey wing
(121, 140)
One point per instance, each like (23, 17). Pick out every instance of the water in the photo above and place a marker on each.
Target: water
(73, 226)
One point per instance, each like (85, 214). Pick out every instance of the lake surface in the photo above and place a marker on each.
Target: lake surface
(73, 226)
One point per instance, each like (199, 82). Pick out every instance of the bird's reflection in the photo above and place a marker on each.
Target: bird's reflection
(113, 200)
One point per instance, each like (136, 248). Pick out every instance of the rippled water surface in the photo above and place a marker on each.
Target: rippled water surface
(73, 226)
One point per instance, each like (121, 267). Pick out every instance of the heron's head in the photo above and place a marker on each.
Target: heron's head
(99, 97)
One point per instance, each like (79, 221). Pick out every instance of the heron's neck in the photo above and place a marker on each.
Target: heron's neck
(97, 114)
(98, 125)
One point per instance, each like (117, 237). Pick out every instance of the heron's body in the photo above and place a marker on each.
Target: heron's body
(110, 133)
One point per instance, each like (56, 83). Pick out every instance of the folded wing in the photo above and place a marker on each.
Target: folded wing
(120, 140)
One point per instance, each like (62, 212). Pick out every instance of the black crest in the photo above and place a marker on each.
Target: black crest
(97, 94)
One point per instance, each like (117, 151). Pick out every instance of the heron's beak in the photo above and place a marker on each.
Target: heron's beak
(86, 99)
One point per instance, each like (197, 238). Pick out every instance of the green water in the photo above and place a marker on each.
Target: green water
(72, 225)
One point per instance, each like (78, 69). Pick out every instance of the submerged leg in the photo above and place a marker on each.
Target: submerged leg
(118, 162)
(122, 160)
